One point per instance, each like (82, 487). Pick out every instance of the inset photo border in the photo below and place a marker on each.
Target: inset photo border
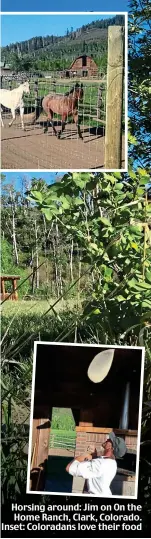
(85, 422)
(72, 117)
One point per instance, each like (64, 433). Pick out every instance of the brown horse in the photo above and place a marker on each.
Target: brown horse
(66, 105)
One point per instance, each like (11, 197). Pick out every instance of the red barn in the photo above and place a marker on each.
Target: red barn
(84, 65)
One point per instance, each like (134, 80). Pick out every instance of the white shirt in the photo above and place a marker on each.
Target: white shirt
(99, 473)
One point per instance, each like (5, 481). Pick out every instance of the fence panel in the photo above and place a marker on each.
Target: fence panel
(32, 149)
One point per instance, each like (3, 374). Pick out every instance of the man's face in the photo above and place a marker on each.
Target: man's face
(108, 446)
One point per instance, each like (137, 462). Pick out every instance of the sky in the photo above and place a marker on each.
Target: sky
(16, 177)
(22, 27)
(47, 5)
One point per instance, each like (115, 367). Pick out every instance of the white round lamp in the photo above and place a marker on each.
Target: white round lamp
(100, 365)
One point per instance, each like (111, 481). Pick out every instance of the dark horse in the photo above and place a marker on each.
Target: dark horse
(66, 105)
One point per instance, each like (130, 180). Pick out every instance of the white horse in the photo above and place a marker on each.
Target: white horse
(13, 99)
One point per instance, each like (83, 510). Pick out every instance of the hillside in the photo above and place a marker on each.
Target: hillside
(57, 52)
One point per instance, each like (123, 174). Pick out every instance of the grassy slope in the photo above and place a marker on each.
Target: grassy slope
(9, 308)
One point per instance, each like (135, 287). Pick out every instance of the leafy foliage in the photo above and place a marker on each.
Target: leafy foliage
(109, 217)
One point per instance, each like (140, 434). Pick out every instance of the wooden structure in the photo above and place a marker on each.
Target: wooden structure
(84, 66)
(13, 294)
(5, 69)
(114, 98)
(62, 381)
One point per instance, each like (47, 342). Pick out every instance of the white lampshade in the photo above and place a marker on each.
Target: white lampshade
(100, 365)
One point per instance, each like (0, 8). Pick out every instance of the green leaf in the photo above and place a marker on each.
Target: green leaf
(78, 201)
(144, 285)
(117, 175)
(118, 186)
(105, 221)
(132, 174)
(139, 285)
(136, 229)
(132, 139)
(148, 276)
(93, 246)
(120, 298)
(37, 195)
(47, 213)
(80, 179)
(135, 246)
(143, 172)
(132, 282)
(65, 202)
(144, 181)
(108, 271)
(109, 177)
(140, 191)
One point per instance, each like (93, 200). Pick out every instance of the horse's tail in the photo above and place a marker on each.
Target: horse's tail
(38, 107)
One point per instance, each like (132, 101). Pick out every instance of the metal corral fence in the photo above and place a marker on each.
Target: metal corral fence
(45, 151)
(91, 110)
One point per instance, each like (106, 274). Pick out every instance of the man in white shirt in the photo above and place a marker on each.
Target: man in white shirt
(98, 471)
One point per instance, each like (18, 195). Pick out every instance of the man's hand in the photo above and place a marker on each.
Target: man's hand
(85, 456)
(81, 458)
(88, 456)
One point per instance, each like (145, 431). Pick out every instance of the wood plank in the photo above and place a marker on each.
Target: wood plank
(98, 120)
(44, 436)
(114, 98)
(35, 442)
(10, 277)
(85, 424)
(106, 430)
(40, 451)
(15, 295)
(2, 288)
(127, 473)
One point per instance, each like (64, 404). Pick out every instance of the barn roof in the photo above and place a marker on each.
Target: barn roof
(82, 56)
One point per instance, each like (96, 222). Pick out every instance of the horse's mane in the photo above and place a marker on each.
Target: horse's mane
(73, 89)
(71, 92)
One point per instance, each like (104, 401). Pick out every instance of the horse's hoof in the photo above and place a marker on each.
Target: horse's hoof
(45, 130)
(59, 135)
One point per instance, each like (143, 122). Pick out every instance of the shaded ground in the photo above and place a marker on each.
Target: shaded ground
(32, 149)
(57, 479)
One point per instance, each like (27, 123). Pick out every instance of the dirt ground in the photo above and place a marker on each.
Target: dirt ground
(32, 149)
